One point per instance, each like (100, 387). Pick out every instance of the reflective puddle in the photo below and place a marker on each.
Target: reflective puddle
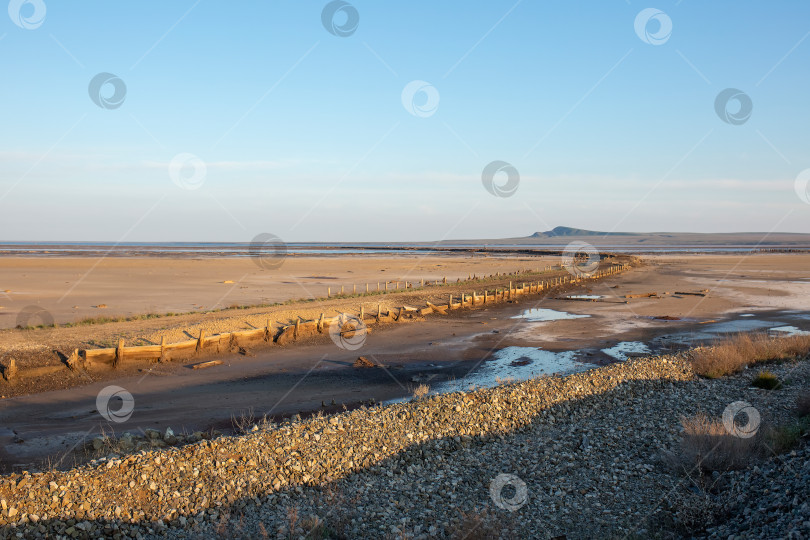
(790, 331)
(746, 325)
(542, 315)
(622, 350)
(512, 364)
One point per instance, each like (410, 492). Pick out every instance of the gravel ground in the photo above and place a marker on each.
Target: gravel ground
(586, 455)
(772, 500)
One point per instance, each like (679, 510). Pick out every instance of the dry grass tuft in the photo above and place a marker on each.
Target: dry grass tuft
(786, 437)
(481, 524)
(734, 354)
(707, 446)
(421, 391)
(803, 404)
(692, 509)
(766, 380)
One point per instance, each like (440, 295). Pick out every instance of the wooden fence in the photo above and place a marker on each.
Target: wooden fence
(286, 334)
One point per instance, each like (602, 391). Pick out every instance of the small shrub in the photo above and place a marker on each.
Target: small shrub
(786, 437)
(691, 509)
(803, 404)
(707, 446)
(421, 391)
(766, 380)
(734, 354)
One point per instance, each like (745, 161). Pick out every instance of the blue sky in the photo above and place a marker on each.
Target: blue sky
(303, 133)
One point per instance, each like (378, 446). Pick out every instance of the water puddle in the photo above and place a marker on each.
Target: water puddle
(513, 364)
(746, 325)
(622, 350)
(746, 315)
(711, 332)
(582, 297)
(790, 331)
(543, 315)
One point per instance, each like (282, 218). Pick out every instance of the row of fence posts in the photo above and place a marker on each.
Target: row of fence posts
(383, 286)
(510, 293)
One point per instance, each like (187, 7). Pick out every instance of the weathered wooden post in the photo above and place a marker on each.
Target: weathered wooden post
(119, 352)
(328, 292)
(73, 360)
(362, 313)
(200, 340)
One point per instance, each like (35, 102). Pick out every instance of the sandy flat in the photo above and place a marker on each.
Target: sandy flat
(72, 289)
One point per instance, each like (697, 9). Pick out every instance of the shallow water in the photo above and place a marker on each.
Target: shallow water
(790, 331)
(543, 315)
(512, 364)
(621, 350)
(746, 325)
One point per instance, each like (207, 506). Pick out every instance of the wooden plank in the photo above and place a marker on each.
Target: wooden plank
(143, 349)
(144, 352)
(439, 309)
(31, 373)
(180, 345)
(217, 339)
(249, 334)
(210, 363)
(100, 356)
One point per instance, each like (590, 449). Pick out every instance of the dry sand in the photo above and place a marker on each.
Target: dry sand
(71, 289)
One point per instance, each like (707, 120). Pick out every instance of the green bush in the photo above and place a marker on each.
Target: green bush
(767, 380)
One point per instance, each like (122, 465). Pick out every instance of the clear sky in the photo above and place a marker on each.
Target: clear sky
(234, 119)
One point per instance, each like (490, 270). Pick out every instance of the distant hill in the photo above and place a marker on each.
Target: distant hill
(569, 231)
(561, 236)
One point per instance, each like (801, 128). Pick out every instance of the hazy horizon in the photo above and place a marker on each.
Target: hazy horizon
(617, 235)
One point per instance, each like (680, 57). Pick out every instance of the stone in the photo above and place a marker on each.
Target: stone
(169, 437)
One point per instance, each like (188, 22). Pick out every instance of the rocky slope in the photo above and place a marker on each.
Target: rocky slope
(587, 455)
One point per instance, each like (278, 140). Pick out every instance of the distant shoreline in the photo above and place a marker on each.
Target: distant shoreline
(244, 249)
